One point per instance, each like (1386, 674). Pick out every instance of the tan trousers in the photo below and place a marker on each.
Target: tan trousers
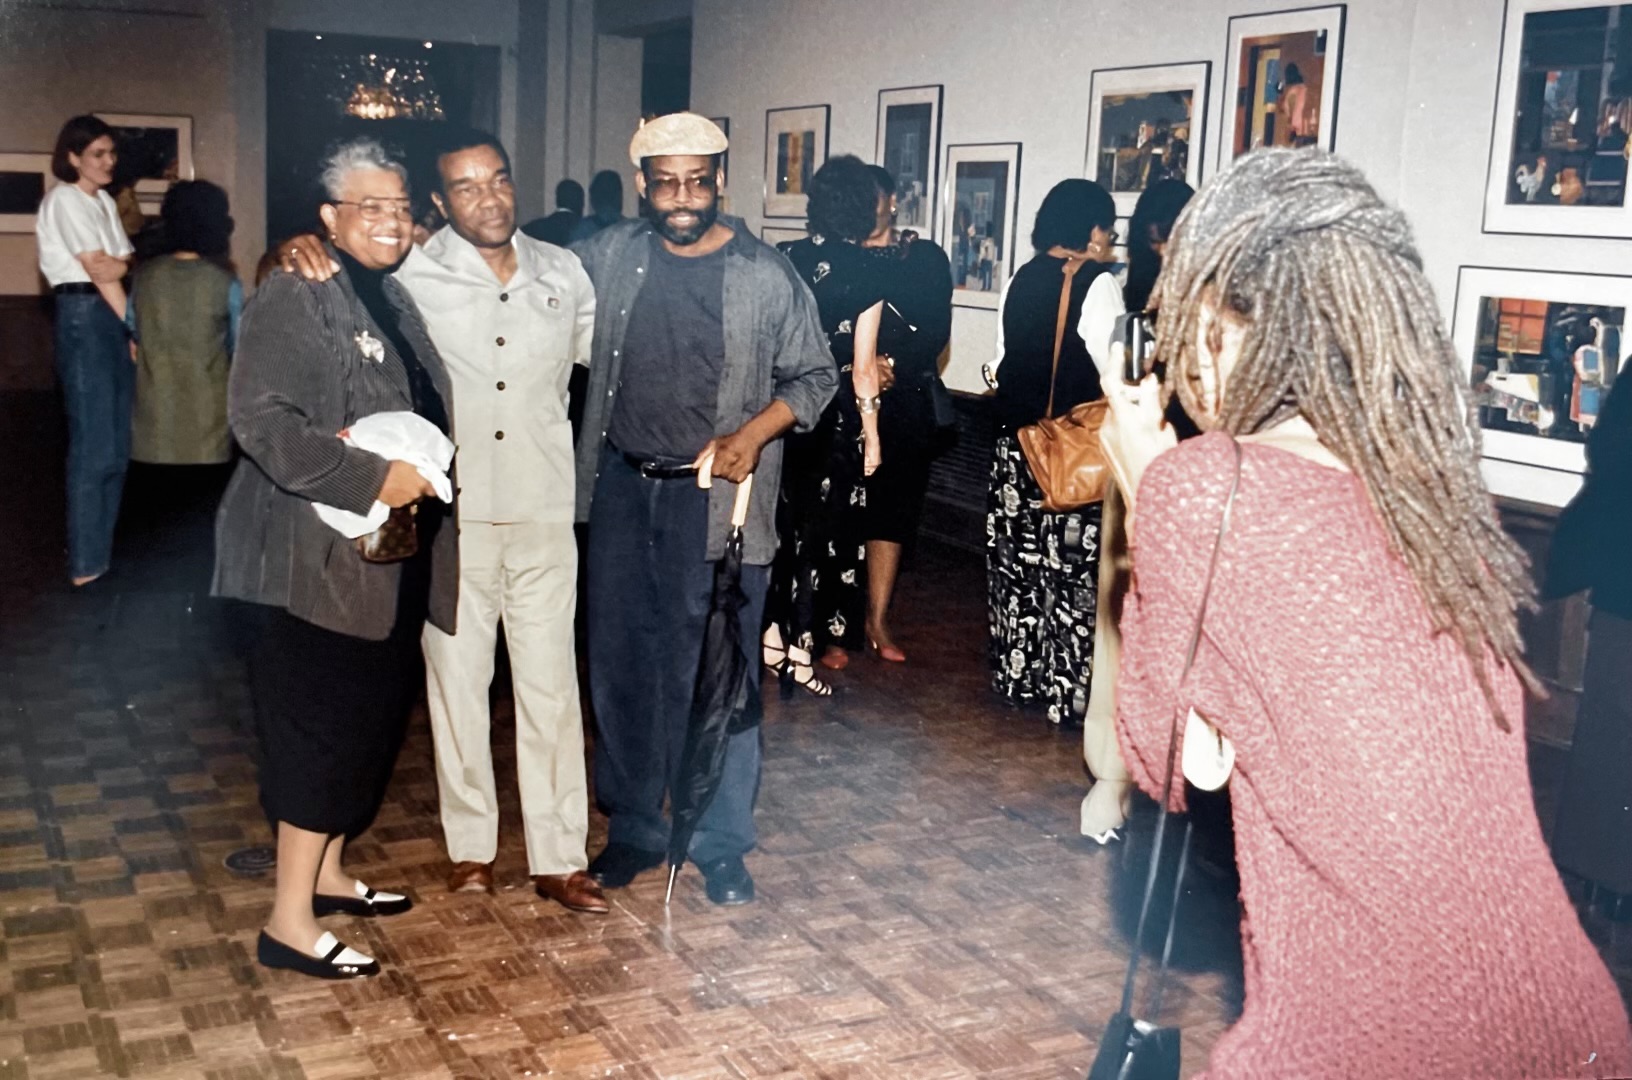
(526, 574)
(1106, 805)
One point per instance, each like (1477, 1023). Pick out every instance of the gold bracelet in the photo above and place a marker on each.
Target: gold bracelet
(867, 405)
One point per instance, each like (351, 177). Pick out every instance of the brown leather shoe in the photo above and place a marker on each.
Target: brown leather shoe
(471, 877)
(576, 891)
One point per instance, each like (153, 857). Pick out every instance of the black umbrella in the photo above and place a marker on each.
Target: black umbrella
(726, 700)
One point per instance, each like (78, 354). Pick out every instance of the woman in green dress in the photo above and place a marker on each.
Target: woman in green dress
(185, 310)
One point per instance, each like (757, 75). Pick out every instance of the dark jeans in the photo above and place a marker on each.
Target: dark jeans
(98, 384)
(1590, 834)
(648, 598)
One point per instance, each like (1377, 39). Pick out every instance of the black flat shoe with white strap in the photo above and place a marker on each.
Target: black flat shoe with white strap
(329, 958)
(368, 903)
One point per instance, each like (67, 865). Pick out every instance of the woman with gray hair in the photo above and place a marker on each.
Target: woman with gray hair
(1359, 670)
(334, 623)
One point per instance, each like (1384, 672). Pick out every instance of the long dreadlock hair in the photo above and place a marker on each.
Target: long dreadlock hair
(1344, 331)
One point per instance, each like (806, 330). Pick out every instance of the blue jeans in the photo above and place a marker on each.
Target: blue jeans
(98, 385)
(648, 597)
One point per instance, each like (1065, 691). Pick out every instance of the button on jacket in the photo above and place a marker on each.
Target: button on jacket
(775, 350)
(509, 348)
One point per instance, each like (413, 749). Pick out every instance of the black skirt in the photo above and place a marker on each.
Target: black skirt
(331, 711)
(909, 441)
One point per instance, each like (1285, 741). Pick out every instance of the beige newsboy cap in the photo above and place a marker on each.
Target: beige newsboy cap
(681, 133)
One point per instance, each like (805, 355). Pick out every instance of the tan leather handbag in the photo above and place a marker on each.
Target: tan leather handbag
(1063, 452)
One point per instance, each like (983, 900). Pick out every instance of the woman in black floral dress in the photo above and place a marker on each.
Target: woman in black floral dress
(1041, 567)
(818, 581)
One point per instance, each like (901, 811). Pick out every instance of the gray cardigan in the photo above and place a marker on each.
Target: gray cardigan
(299, 377)
(775, 350)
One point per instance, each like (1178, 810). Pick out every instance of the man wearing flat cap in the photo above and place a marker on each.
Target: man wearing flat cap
(707, 349)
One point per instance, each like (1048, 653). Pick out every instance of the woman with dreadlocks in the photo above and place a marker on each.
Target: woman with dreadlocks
(1360, 649)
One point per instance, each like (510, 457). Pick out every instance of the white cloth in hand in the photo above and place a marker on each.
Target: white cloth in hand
(395, 436)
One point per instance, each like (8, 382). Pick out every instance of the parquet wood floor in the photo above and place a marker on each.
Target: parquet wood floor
(926, 907)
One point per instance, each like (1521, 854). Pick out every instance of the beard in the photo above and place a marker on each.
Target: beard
(689, 235)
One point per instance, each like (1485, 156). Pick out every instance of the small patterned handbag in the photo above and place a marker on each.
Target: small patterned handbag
(395, 540)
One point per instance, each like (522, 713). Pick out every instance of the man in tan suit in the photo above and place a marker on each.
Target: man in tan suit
(510, 316)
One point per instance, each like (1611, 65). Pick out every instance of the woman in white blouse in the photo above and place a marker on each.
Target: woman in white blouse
(84, 254)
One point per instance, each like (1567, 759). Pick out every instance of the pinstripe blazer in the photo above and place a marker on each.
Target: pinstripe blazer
(298, 378)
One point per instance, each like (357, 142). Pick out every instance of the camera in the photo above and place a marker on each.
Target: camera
(1137, 332)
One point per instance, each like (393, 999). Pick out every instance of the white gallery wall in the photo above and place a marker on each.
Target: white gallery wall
(1415, 110)
(56, 63)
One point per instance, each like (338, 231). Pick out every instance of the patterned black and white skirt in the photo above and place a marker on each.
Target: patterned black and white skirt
(1042, 574)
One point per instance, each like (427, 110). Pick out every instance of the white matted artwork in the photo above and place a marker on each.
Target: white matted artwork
(1282, 78)
(155, 150)
(980, 219)
(795, 147)
(24, 180)
(908, 145)
(1145, 125)
(1558, 154)
(1541, 351)
(782, 234)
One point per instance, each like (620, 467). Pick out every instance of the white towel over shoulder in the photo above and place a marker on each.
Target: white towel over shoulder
(395, 436)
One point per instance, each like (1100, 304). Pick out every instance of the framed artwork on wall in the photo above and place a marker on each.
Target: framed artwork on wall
(724, 124)
(782, 234)
(795, 147)
(1541, 351)
(1558, 153)
(980, 219)
(1282, 78)
(908, 145)
(1145, 125)
(24, 180)
(154, 150)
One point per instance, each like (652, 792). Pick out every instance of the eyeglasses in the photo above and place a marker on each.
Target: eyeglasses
(669, 187)
(466, 193)
(375, 209)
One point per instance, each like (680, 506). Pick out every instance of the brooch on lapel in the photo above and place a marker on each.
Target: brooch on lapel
(370, 346)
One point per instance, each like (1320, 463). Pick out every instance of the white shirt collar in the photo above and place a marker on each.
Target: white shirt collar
(457, 255)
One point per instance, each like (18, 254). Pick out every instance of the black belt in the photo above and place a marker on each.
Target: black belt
(74, 287)
(656, 468)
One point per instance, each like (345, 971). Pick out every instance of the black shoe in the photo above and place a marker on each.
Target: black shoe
(367, 904)
(619, 864)
(728, 881)
(273, 953)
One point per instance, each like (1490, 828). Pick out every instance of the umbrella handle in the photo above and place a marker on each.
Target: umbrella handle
(739, 508)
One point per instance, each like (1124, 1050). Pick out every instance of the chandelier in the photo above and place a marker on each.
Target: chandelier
(377, 87)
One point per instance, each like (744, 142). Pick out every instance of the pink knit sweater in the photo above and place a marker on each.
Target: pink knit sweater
(1403, 918)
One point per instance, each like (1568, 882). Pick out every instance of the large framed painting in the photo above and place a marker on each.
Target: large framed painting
(908, 145)
(795, 147)
(782, 234)
(1282, 76)
(1541, 351)
(24, 180)
(981, 219)
(1145, 125)
(155, 151)
(1558, 154)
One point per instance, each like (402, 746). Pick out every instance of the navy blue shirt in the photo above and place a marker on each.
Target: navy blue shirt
(673, 354)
